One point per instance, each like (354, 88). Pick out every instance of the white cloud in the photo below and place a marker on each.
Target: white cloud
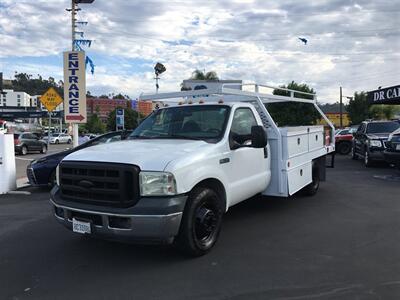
(349, 44)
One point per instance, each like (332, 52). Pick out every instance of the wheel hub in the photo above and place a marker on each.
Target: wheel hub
(206, 222)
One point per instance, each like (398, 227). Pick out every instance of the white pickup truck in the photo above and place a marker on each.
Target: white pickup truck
(185, 165)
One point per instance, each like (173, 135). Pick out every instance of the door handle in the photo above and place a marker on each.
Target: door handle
(224, 160)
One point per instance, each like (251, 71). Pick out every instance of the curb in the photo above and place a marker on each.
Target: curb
(22, 182)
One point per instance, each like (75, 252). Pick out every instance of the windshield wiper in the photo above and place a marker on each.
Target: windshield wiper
(144, 137)
(183, 137)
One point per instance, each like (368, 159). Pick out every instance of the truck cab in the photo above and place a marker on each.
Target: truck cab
(180, 171)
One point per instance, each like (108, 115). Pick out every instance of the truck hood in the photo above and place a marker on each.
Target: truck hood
(150, 155)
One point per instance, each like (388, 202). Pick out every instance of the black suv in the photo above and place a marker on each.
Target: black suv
(392, 152)
(370, 140)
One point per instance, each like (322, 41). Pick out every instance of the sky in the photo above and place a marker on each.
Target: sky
(353, 44)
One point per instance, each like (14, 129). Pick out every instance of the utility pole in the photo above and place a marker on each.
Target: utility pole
(341, 109)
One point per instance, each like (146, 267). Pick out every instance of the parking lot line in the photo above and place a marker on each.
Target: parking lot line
(29, 159)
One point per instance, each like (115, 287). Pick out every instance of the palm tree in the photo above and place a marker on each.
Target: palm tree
(200, 75)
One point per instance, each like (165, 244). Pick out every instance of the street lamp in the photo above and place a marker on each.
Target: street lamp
(159, 68)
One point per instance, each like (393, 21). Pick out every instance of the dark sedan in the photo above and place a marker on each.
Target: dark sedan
(392, 152)
(42, 172)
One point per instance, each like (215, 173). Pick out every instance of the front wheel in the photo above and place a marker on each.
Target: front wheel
(353, 153)
(69, 141)
(57, 142)
(44, 149)
(24, 150)
(344, 148)
(367, 159)
(201, 222)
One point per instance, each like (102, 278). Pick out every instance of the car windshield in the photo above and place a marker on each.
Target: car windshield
(206, 122)
(382, 127)
(55, 135)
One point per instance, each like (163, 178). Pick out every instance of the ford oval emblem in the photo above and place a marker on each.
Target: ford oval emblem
(86, 184)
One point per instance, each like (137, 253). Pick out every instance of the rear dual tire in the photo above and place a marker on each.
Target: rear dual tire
(312, 188)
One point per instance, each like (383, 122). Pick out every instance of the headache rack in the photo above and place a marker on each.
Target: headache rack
(259, 95)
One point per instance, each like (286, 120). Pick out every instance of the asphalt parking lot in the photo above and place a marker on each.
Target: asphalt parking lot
(343, 243)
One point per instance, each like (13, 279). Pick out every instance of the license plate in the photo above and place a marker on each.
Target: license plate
(81, 227)
(398, 147)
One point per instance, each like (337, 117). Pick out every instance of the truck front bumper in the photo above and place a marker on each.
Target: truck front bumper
(151, 220)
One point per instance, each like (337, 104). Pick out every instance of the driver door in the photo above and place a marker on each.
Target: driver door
(249, 169)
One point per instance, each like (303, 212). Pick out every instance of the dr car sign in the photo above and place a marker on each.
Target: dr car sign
(74, 87)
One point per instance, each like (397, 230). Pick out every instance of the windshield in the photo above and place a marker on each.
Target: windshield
(384, 127)
(55, 135)
(206, 122)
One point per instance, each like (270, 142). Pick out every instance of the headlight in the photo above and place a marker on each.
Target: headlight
(157, 184)
(58, 175)
(375, 143)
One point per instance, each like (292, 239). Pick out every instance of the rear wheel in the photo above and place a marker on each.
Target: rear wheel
(312, 188)
(57, 142)
(69, 141)
(201, 222)
(24, 150)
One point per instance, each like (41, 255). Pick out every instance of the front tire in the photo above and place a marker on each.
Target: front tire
(353, 153)
(57, 142)
(44, 149)
(201, 222)
(24, 150)
(69, 142)
(367, 160)
(344, 148)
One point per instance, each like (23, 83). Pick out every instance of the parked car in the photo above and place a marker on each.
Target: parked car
(41, 172)
(392, 152)
(27, 142)
(59, 138)
(344, 140)
(370, 140)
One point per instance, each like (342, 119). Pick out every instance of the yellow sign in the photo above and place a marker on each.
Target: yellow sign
(51, 99)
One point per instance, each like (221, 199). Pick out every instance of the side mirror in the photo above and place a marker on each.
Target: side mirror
(259, 138)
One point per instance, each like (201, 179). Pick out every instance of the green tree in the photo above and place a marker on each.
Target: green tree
(24, 82)
(383, 111)
(95, 125)
(294, 113)
(200, 75)
(131, 119)
(119, 96)
(358, 108)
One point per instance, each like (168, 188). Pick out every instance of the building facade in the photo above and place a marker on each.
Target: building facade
(104, 106)
(17, 99)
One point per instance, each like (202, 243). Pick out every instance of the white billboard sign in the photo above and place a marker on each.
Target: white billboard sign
(74, 87)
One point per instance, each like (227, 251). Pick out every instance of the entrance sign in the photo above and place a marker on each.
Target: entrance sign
(120, 119)
(51, 99)
(74, 87)
(389, 95)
